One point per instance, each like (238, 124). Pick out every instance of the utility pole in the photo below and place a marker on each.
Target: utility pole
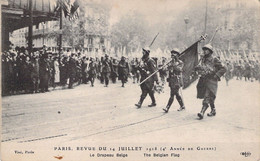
(60, 36)
(30, 32)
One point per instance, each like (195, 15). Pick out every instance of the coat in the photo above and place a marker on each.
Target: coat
(72, 67)
(92, 69)
(148, 68)
(106, 66)
(214, 71)
(123, 70)
(56, 72)
(175, 77)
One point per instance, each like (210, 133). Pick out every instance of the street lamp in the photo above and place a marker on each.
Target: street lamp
(186, 20)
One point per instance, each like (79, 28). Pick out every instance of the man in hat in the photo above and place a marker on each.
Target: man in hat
(210, 69)
(123, 70)
(147, 69)
(175, 79)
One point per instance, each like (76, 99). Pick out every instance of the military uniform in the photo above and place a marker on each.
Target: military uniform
(92, 71)
(147, 69)
(175, 80)
(123, 71)
(211, 69)
(106, 70)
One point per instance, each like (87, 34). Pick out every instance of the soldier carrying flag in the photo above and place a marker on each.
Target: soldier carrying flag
(210, 70)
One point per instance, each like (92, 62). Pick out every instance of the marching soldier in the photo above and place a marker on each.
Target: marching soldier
(175, 80)
(147, 69)
(123, 70)
(210, 70)
(92, 71)
(106, 69)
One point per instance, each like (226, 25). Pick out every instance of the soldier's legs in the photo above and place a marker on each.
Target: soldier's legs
(170, 101)
(180, 101)
(142, 97)
(92, 80)
(106, 79)
(205, 103)
(212, 105)
(151, 94)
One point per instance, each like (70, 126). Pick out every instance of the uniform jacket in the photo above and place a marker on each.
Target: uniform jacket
(123, 69)
(175, 77)
(148, 68)
(214, 69)
(106, 66)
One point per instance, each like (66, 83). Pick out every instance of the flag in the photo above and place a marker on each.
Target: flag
(71, 10)
(190, 60)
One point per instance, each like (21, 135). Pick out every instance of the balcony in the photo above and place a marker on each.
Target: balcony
(41, 32)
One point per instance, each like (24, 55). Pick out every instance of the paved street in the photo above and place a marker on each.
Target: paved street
(102, 114)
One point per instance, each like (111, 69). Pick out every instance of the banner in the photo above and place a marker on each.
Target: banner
(190, 60)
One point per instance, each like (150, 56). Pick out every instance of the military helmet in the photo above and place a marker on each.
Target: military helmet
(175, 51)
(146, 50)
(208, 46)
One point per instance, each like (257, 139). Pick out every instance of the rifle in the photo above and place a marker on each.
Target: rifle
(153, 40)
(201, 38)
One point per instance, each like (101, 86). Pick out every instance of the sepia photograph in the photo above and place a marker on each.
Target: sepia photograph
(130, 80)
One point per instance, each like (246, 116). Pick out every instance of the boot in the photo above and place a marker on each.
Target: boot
(179, 99)
(213, 110)
(153, 100)
(166, 109)
(152, 105)
(201, 114)
(181, 108)
(139, 104)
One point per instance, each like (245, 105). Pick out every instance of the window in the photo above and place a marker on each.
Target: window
(102, 41)
(90, 40)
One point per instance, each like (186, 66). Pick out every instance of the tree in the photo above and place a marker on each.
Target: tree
(130, 32)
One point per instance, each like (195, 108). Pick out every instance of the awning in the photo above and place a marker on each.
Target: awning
(15, 15)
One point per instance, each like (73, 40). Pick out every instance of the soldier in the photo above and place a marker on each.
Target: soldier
(147, 69)
(210, 70)
(123, 71)
(175, 80)
(106, 69)
(92, 71)
(114, 73)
